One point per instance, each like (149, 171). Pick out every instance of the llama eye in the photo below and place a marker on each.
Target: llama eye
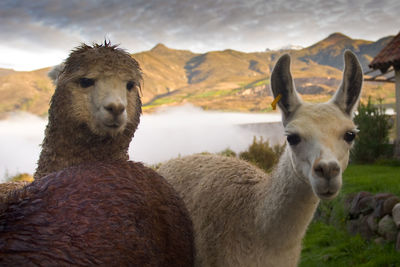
(86, 82)
(130, 85)
(293, 139)
(349, 136)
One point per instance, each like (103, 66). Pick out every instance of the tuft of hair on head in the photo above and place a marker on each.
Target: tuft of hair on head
(106, 44)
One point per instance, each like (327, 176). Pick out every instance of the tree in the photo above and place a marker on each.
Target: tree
(372, 141)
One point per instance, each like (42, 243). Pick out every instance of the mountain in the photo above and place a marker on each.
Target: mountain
(28, 91)
(224, 80)
(329, 51)
(290, 47)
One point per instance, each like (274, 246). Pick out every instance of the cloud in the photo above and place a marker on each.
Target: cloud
(20, 137)
(187, 130)
(166, 134)
(197, 25)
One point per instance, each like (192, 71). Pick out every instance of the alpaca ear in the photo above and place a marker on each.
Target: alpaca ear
(55, 72)
(348, 94)
(282, 84)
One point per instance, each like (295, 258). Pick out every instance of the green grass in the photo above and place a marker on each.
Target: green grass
(214, 93)
(261, 82)
(325, 245)
(327, 242)
(372, 178)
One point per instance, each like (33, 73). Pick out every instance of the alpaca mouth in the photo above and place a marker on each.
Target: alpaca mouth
(113, 125)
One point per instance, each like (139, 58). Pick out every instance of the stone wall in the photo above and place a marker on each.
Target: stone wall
(375, 217)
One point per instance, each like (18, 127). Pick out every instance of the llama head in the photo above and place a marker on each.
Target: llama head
(319, 136)
(98, 87)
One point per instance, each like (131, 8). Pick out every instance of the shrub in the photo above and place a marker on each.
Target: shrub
(23, 177)
(228, 153)
(262, 154)
(372, 141)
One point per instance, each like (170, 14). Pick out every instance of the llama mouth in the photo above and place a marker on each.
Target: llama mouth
(327, 195)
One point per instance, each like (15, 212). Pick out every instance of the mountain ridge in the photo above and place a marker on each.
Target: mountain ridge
(227, 80)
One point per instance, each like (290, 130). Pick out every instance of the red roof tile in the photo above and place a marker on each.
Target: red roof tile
(388, 56)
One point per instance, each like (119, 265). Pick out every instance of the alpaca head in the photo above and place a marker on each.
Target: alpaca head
(319, 136)
(98, 88)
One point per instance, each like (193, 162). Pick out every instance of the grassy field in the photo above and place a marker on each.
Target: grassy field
(327, 242)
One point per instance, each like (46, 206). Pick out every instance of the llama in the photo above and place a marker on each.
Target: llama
(243, 216)
(88, 204)
(95, 108)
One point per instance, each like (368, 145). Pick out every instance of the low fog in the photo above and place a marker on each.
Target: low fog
(168, 133)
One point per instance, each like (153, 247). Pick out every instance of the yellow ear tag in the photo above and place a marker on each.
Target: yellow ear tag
(276, 100)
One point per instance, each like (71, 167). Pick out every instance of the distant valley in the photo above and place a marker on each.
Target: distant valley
(226, 80)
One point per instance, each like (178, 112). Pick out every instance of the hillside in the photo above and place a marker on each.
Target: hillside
(222, 80)
(27, 91)
(330, 50)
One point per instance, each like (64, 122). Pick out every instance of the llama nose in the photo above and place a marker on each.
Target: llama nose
(327, 170)
(115, 109)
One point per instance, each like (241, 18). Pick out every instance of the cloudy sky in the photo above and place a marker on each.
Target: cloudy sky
(41, 33)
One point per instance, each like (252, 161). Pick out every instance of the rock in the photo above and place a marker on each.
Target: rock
(378, 211)
(360, 226)
(366, 205)
(348, 200)
(385, 204)
(387, 228)
(379, 240)
(364, 230)
(355, 209)
(383, 196)
(372, 223)
(388, 205)
(396, 214)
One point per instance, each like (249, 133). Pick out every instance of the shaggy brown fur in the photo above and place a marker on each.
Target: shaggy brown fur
(69, 140)
(103, 214)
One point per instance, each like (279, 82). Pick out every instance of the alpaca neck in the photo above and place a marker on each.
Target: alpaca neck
(288, 206)
(66, 146)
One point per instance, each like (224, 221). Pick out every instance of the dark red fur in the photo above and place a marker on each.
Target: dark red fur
(103, 214)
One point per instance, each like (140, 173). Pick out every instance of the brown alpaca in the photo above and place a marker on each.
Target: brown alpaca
(88, 204)
(104, 214)
(94, 111)
(243, 216)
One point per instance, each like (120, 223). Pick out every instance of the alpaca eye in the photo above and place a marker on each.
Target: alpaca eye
(86, 82)
(293, 139)
(349, 136)
(130, 85)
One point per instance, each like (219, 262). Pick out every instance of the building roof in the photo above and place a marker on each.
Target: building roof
(388, 56)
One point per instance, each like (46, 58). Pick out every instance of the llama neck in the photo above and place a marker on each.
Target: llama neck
(288, 206)
(67, 146)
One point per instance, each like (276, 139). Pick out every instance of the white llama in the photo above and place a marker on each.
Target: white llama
(245, 217)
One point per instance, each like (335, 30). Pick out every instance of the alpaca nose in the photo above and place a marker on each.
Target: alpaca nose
(115, 109)
(327, 170)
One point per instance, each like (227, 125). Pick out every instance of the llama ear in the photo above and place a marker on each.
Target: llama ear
(348, 94)
(282, 84)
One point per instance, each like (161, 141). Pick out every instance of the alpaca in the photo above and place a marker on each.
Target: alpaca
(243, 216)
(94, 111)
(105, 214)
(95, 108)
(88, 205)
